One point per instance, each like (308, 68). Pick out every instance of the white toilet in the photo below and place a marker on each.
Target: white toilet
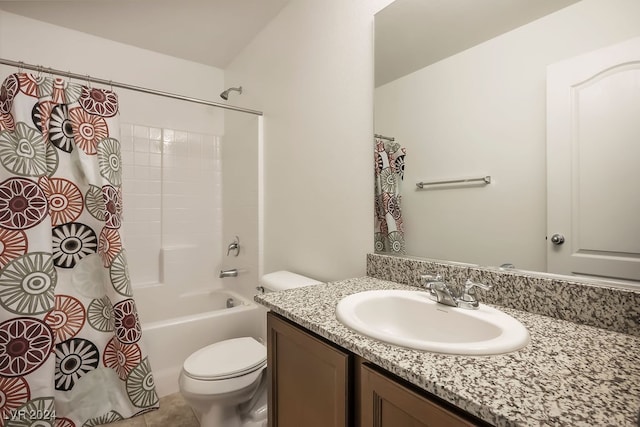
(225, 382)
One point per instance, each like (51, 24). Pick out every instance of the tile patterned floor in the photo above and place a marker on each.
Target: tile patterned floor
(173, 412)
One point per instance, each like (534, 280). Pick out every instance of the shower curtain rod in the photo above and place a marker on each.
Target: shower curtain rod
(388, 138)
(111, 83)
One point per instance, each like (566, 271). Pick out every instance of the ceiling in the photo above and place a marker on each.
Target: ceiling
(411, 34)
(211, 32)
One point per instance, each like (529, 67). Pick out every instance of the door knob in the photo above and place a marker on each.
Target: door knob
(557, 239)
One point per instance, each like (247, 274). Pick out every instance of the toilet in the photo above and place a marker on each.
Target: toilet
(225, 382)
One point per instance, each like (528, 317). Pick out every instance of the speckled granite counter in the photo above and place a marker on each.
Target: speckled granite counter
(568, 375)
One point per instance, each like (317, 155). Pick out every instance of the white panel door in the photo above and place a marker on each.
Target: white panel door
(593, 164)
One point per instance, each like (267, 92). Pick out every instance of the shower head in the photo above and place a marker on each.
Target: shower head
(225, 95)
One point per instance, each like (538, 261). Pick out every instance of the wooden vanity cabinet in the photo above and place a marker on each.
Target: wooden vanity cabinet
(315, 383)
(308, 378)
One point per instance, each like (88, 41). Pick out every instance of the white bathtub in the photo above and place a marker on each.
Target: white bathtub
(171, 332)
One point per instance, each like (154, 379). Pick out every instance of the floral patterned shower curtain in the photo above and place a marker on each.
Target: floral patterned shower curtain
(389, 172)
(70, 350)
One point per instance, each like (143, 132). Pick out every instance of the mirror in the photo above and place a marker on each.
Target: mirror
(469, 101)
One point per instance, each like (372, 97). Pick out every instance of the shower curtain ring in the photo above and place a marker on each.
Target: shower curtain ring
(20, 66)
(88, 81)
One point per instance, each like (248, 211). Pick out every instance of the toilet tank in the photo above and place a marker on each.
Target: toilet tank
(281, 280)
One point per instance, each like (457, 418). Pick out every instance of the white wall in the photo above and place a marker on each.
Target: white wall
(311, 72)
(483, 112)
(240, 165)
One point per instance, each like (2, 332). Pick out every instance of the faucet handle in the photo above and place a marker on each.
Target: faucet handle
(469, 285)
(234, 246)
(468, 299)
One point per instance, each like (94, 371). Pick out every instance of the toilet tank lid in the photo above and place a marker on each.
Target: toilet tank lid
(281, 280)
(226, 359)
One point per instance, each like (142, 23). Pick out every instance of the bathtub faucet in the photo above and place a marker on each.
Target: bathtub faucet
(229, 273)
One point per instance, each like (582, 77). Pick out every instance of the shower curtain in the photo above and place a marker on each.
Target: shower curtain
(70, 350)
(389, 172)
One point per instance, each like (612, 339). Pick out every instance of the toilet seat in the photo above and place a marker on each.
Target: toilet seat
(226, 359)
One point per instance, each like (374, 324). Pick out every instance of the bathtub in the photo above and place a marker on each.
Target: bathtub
(172, 331)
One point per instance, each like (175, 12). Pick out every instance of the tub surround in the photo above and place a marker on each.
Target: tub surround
(570, 373)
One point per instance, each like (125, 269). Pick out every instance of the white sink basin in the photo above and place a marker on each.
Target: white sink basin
(411, 319)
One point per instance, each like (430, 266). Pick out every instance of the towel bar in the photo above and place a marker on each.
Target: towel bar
(485, 179)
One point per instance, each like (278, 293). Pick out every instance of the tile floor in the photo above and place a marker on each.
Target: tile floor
(173, 412)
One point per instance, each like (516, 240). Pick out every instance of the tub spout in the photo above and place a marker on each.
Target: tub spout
(228, 273)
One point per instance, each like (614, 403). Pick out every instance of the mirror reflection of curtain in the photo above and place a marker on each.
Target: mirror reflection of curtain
(389, 172)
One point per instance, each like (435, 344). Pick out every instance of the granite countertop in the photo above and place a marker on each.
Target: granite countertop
(568, 374)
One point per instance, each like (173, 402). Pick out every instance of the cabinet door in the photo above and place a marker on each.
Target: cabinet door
(308, 378)
(386, 403)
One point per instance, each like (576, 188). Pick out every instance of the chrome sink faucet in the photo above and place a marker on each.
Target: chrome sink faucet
(440, 292)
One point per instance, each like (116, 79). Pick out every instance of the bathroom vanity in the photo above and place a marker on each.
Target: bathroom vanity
(569, 374)
(315, 380)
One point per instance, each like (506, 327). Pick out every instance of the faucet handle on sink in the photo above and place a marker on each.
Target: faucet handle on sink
(468, 298)
(469, 285)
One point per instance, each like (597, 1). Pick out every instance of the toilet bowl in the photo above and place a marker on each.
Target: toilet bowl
(217, 379)
(225, 382)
